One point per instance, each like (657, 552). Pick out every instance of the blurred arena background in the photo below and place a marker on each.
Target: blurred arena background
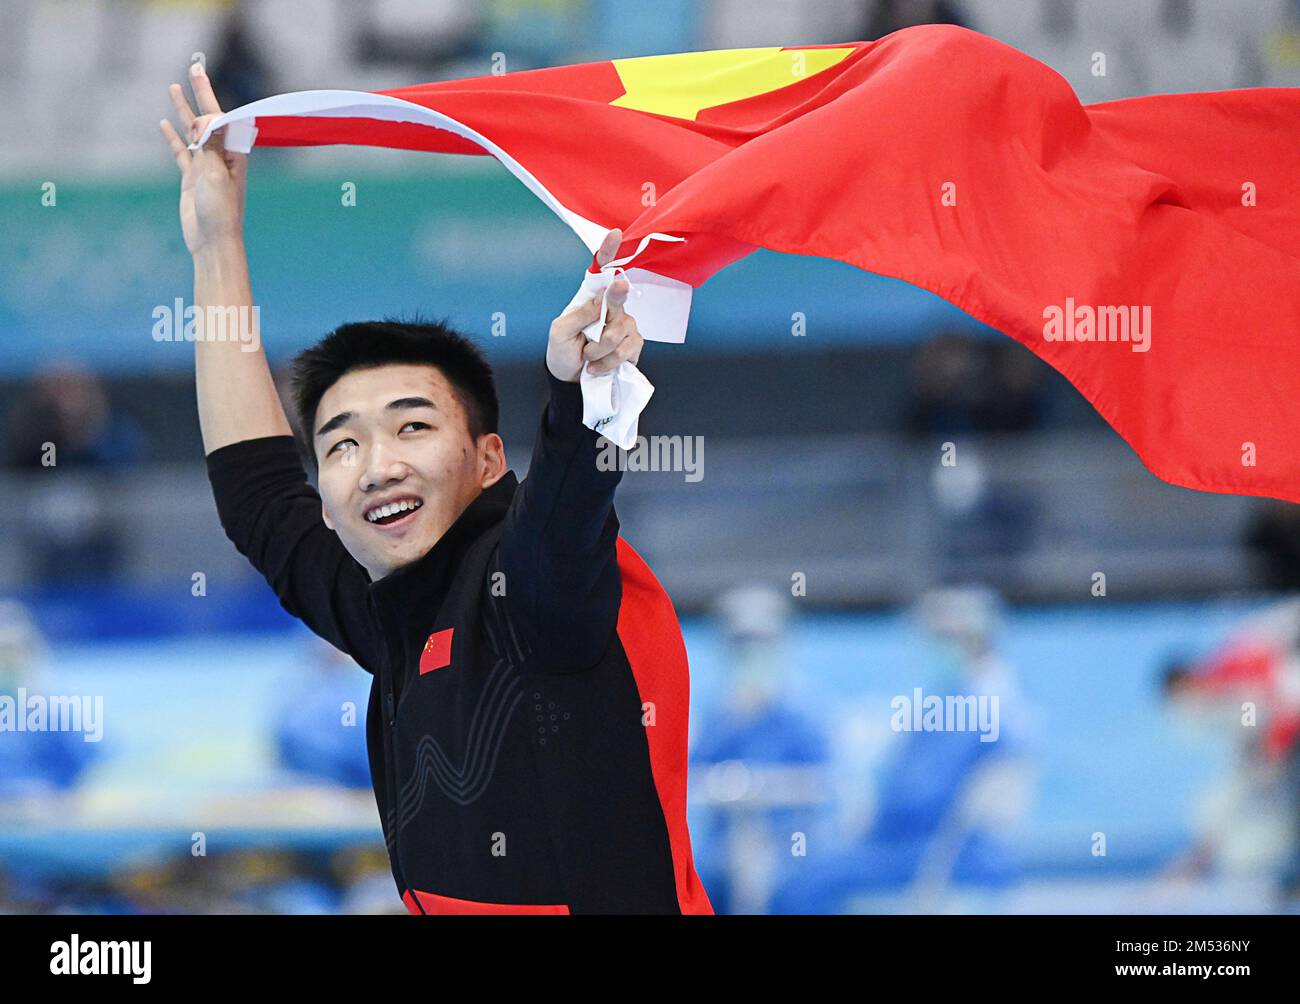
(1141, 638)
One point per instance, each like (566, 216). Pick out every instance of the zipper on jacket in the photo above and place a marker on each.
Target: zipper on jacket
(390, 769)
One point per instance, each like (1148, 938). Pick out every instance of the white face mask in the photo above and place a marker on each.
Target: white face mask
(943, 664)
(755, 675)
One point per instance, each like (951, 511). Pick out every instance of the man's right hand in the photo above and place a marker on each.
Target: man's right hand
(236, 394)
(212, 178)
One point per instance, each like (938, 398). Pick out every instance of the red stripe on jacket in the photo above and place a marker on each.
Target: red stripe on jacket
(431, 904)
(652, 639)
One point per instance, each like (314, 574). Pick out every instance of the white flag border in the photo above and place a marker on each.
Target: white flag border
(662, 303)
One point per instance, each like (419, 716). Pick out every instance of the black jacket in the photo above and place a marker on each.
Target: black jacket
(527, 724)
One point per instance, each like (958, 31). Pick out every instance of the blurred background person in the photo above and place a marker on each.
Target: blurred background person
(1273, 539)
(320, 726)
(882, 17)
(759, 763)
(1249, 689)
(949, 798)
(245, 74)
(63, 422)
(33, 764)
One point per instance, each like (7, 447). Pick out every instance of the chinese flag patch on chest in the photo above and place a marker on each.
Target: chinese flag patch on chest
(437, 651)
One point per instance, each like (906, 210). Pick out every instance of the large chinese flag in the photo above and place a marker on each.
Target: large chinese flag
(1148, 249)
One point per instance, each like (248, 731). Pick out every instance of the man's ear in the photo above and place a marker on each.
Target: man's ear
(325, 515)
(492, 459)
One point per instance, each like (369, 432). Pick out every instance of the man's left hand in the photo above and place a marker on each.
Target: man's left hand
(568, 349)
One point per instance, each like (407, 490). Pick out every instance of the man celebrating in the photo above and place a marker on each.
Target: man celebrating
(528, 711)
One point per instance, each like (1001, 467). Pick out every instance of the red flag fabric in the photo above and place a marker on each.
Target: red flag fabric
(1148, 249)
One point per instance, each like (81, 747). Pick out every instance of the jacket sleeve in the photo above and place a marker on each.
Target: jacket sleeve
(558, 548)
(273, 517)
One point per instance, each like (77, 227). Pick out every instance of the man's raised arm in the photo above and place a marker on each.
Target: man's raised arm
(558, 547)
(266, 506)
(236, 394)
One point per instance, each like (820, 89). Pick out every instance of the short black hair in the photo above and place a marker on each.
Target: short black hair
(367, 344)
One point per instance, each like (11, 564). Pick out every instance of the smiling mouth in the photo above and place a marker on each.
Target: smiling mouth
(394, 513)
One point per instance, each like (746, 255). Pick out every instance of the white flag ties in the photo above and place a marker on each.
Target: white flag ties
(611, 402)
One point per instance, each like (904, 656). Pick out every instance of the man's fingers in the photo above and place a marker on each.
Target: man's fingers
(182, 105)
(609, 247)
(613, 349)
(216, 142)
(179, 150)
(611, 339)
(598, 350)
(204, 96)
(568, 325)
(238, 164)
(615, 297)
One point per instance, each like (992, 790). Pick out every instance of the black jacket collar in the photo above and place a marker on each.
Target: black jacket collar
(419, 587)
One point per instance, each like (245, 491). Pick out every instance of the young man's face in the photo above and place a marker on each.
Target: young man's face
(395, 439)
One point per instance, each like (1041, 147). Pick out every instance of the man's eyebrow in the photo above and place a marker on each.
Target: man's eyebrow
(402, 403)
(342, 418)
